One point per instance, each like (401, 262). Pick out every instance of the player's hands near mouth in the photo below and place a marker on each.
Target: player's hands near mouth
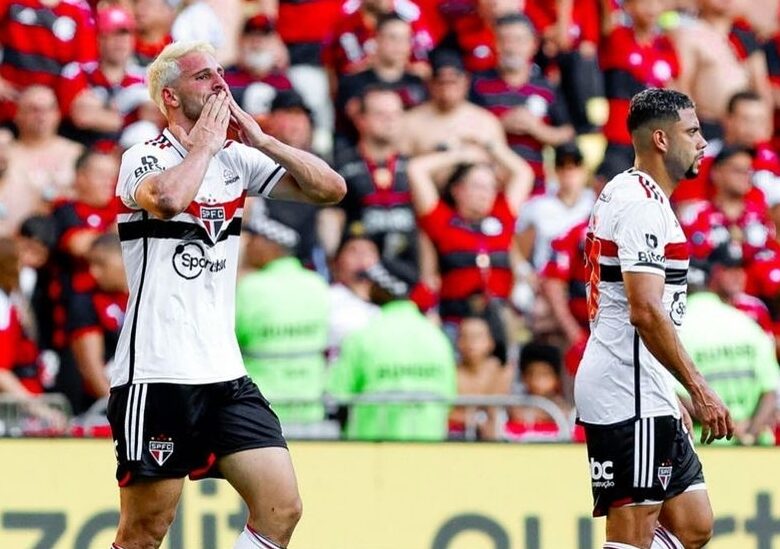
(715, 419)
(210, 131)
(249, 131)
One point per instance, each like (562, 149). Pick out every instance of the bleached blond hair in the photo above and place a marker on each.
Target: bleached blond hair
(165, 68)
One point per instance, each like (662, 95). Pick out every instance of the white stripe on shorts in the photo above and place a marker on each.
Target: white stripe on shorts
(134, 421)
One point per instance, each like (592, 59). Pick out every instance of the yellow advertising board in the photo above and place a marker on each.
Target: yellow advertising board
(60, 494)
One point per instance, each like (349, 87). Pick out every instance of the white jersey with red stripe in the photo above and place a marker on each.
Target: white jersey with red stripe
(182, 272)
(632, 229)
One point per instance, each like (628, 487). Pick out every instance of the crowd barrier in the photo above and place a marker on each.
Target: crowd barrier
(60, 494)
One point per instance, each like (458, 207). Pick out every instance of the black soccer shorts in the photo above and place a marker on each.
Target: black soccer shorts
(642, 461)
(169, 430)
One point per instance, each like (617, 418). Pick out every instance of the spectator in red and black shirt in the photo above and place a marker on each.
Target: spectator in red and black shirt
(260, 71)
(20, 372)
(378, 200)
(304, 26)
(746, 126)
(529, 107)
(387, 67)
(471, 226)
(118, 90)
(94, 327)
(632, 58)
(729, 217)
(155, 20)
(772, 54)
(44, 43)
(351, 44)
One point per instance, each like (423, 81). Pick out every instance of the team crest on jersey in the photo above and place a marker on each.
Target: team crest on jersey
(664, 475)
(161, 449)
(213, 218)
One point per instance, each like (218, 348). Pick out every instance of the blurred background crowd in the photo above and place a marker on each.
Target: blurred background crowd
(474, 136)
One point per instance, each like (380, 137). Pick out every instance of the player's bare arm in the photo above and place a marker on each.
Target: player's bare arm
(170, 192)
(644, 292)
(308, 178)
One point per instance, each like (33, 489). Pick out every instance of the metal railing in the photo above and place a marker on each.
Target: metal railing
(49, 414)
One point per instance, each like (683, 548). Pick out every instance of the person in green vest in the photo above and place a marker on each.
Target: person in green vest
(398, 354)
(735, 356)
(282, 317)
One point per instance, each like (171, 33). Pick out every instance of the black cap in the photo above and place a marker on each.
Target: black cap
(261, 225)
(568, 152)
(446, 59)
(387, 278)
(728, 254)
(728, 151)
(289, 99)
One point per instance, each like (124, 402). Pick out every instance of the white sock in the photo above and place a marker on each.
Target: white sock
(664, 539)
(249, 539)
(617, 545)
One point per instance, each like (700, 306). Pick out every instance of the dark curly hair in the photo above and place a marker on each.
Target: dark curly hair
(655, 105)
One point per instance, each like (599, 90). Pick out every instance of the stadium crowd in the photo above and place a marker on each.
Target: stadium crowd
(474, 137)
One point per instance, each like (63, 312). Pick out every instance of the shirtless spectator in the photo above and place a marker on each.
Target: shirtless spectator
(632, 57)
(448, 117)
(352, 42)
(388, 67)
(479, 373)
(260, 71)
(746, 125)
(719, 58)
(154, 19)
(10, 217)
(531, 111)
(41, 166)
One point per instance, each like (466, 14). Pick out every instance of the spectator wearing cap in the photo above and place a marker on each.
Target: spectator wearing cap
(546, 217)
(530, 109)
(282, 321)
(737, 358)
(387, 67)
(260, 70)
(378, 198)
(290, 121)
(730, 216)
(471, 224)
(727, 278)
(154, 20)
(398, 353)
(634, 56)
(197, 21)
(449, 118)
(116, 84)
(745, 125)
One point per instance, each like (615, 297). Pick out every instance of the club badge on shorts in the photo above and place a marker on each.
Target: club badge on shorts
(664, 474)
(161, 449)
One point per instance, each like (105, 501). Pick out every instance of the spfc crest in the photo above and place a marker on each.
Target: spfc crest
(161, 450)
(664, 475)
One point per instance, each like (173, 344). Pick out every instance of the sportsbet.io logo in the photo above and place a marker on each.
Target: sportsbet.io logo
(190, 260)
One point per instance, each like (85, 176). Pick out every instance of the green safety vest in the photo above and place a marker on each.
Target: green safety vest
(398, 352)
(282, 326)
(733, 353)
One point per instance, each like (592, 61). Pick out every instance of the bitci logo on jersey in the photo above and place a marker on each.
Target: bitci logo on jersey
(190, 260)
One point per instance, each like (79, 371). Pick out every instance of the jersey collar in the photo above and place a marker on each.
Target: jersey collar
(175, 142)
(649, 180)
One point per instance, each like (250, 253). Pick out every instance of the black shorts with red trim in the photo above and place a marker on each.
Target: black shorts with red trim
(168, 430)
(643, 461)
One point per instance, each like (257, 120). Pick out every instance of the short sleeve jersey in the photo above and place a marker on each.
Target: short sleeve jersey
(181, 272)
(632, 229)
